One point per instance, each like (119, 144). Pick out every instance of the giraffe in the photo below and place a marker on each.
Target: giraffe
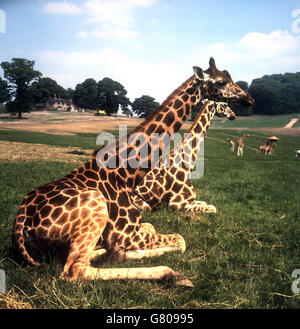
(231, 144)
(170, 184)
(267, 148)
(240, 145)
(89, 211)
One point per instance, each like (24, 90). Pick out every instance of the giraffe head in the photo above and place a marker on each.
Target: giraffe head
(218, 85)
(223, 110)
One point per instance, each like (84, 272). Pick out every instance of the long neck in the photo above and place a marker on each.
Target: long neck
(241, 139)
(185, 154)
(131, 158)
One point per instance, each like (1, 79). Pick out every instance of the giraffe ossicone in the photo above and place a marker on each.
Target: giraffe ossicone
(91, 207)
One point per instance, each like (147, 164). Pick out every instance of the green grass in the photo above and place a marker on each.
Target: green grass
(258, 121)
(240, 257)
(83, 140)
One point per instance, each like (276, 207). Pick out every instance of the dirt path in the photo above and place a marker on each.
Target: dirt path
(65, 123)
(291, 123)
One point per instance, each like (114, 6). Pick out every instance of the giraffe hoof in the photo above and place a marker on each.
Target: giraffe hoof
(184, 283)
(181, 243)
(210, 209)
(177, 279)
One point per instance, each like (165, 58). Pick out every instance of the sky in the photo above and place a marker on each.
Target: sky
(150, 46)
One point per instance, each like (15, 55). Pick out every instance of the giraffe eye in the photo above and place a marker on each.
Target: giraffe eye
(221, 83)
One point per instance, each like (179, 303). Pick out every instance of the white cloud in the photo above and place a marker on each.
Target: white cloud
(114, 12)
(82, 34)
(254, 55)
(110, 19)
(114, 19)
(62, 8)
(274, 44)
(108, 32)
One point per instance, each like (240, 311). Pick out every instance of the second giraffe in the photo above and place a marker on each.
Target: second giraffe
(170, 184)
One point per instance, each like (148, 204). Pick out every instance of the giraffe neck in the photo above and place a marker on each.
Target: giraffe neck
(127, 161)
(186, 152)
(241, 139)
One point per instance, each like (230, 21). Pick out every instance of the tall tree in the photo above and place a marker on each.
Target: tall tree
(112, 96)
(4, 91)
(144, 105)
(276, 93)
(20, 74)
(85, 94)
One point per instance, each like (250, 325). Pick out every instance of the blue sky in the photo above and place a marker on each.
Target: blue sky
(150, 46)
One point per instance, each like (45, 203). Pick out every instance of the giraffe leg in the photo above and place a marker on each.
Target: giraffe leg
(147, 227)
(162, 273)
(78, 267)
(122, 254)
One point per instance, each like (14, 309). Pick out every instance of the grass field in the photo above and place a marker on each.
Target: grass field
(258, 121)
(241, 257)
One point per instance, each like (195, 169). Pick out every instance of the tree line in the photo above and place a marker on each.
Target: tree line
(23, 87)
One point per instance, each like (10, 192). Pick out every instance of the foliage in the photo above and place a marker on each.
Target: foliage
(276, 93)
(112, 95)
(4, 91)
(2, 108)
(195, 110)
(44, 88)
(127, 112)
(20, 74)
(85, 94)
(144, 105)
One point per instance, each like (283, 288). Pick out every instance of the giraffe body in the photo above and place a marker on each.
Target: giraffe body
(240, 145)
(170, 184)
(90, 212)
(267, 148)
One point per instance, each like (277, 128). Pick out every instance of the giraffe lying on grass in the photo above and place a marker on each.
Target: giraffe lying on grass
(170, 184)
(89, 211)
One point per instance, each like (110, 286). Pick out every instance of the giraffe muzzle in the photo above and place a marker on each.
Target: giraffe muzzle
(247, 101)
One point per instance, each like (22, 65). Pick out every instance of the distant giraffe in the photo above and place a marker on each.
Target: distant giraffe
(240, 145)
(267, 148)
(90, 211)
(231, 144)
(170, 183)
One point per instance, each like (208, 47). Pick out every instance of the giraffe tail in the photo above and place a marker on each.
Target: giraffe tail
(18, 238)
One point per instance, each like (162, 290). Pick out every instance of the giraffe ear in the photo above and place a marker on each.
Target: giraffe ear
(198, 72)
